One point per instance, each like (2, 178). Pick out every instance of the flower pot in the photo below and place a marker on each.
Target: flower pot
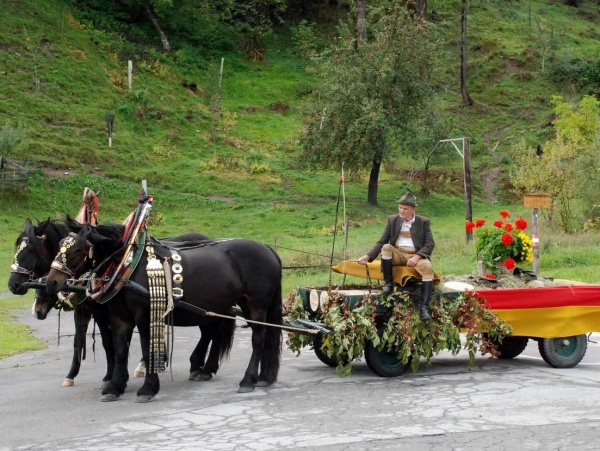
(481, 270)
(502, 270)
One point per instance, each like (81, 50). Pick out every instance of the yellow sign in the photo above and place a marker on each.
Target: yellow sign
(537, 201)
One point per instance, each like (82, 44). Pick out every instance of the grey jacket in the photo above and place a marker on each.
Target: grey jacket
(420, 232)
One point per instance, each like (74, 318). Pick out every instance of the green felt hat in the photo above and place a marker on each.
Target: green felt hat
(408, 198)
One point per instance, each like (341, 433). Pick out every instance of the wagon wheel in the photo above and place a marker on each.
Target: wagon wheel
(383, 362)
(511, 346)
(321, 355)
(564, 352)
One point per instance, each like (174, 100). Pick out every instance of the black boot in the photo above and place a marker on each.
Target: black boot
(388, 276)
(426, 290)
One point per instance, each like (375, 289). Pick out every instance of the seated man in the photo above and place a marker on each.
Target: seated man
(406, 241)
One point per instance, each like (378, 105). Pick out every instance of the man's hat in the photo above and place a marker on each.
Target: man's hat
(408, 198)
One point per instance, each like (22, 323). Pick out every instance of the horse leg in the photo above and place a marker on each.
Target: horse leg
(121, 331)
(108, 345)
(151, 384)
(271, 357)
(82, 319)
(220, 336)
(140, 370)
(250, 379)
(198, 356)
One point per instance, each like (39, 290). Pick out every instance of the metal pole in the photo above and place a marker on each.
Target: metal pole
(536, 243)
(466, 157)
(221, 72)
(109, 125)
(130, 74)
(467, 176)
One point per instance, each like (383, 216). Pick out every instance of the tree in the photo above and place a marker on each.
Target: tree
(370, 95)
(422, 143)
(178, 22)
(567, 168)
(255, 19)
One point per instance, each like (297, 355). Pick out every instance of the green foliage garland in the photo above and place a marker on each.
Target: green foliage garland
(352, 328)
(400, 328)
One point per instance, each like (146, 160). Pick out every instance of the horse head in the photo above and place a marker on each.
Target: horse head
(43, 303)
(34, 249)
(79, 253)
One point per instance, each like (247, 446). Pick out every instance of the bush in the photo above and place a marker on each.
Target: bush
(585, 75)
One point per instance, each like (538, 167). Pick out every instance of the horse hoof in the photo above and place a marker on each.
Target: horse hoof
(138, 373)
(203, 377)
(109, 397)
(68, 383)
(193, 375)
(144, 398)
(262, 384)
(245, 389)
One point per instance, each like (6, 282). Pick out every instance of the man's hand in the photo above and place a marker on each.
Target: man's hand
(412, 261)
(364, 260)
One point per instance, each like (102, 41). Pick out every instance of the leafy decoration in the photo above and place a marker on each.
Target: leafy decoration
(352, 327)
(393, 324)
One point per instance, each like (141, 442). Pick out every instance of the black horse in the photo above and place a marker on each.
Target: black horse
(36, 247)
(215, 276)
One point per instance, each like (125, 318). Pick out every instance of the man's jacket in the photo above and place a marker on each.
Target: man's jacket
(420, 232)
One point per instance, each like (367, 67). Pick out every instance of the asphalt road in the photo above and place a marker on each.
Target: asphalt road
(521, 404)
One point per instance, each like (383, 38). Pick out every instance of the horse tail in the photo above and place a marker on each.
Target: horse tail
(274, 335)
(224, 333)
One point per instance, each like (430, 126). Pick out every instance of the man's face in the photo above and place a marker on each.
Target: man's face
(406, 212)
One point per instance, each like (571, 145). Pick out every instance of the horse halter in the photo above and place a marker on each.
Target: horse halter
(60, 262)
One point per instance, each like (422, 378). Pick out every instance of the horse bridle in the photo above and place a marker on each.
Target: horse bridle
(30, 273)
(60, 261)
(15, 267)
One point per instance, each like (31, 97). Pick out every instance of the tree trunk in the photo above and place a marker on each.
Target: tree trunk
(361, 31)
(467, 101)
(373, 181)
(154, 20)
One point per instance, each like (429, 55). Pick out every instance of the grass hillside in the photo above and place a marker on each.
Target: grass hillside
(219, 155)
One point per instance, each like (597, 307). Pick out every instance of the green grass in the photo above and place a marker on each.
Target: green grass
(15, 338)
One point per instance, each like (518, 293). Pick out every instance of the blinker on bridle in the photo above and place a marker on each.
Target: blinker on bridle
(15, 267)
(60, 262)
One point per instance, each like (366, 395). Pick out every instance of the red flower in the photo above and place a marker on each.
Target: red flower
(480, 223)
(498, 224)
(470, 226)
(520, 224)
(507, 239)
(490, 276)
(509, 263)
(504, 214)
(508, 227)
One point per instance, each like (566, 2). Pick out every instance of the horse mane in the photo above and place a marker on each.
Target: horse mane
(114, 232)
(110, 242)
